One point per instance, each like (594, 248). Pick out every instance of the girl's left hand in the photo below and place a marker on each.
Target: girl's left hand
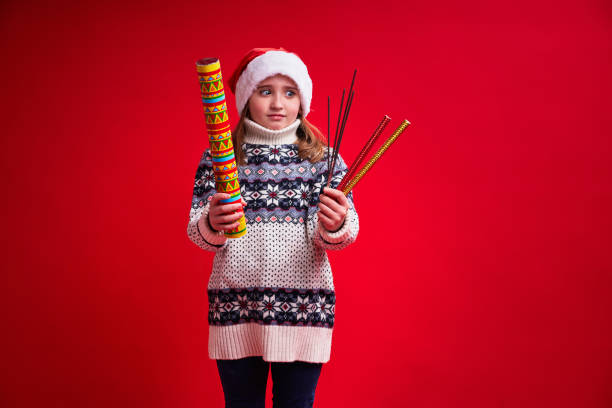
(333, 207)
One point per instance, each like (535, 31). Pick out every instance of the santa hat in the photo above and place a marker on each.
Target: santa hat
(261, 63)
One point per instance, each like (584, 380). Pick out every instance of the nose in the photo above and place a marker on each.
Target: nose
(276, 102)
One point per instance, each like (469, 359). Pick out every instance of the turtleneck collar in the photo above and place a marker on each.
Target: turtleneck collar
(257, 134)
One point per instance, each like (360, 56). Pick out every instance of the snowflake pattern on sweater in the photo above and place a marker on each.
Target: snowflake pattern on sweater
(301, 307)
(267, 186)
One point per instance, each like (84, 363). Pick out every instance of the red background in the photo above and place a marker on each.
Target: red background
(482, 274)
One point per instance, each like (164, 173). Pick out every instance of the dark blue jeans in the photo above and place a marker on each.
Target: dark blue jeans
(244, 383)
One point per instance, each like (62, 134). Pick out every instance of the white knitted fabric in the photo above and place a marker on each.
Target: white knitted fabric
(257, 134)
(271, 292)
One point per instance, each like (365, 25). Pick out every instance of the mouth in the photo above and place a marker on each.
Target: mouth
(276, 116)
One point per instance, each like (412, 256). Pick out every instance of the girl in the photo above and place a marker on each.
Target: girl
(271, 292)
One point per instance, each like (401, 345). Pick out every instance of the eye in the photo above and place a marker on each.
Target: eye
(290, 93)
(265, 92)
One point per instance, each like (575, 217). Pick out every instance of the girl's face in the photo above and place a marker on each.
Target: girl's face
(275, 104)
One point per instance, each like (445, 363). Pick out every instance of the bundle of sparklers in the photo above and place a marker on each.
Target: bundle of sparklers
(352, 177)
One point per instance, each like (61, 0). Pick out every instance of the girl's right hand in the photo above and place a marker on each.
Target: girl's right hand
(224, 216)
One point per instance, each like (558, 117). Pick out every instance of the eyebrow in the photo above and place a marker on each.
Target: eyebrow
(293, 88)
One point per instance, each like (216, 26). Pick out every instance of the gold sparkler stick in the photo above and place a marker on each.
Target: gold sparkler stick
(376, 156)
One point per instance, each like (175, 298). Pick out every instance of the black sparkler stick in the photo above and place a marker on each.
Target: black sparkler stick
(336, 136)
(338, 140)
(328, 151)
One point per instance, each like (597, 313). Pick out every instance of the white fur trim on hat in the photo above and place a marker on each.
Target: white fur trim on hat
(269, 64)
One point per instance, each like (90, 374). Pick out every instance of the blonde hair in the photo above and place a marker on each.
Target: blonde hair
(309, 140)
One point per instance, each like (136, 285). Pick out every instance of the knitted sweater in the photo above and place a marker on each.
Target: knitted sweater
(271, 292)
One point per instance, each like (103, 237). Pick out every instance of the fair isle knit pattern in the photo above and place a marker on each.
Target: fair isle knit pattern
(271, 292)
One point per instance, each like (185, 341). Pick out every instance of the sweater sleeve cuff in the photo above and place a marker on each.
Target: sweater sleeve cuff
(216, 238)
(337, 236)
